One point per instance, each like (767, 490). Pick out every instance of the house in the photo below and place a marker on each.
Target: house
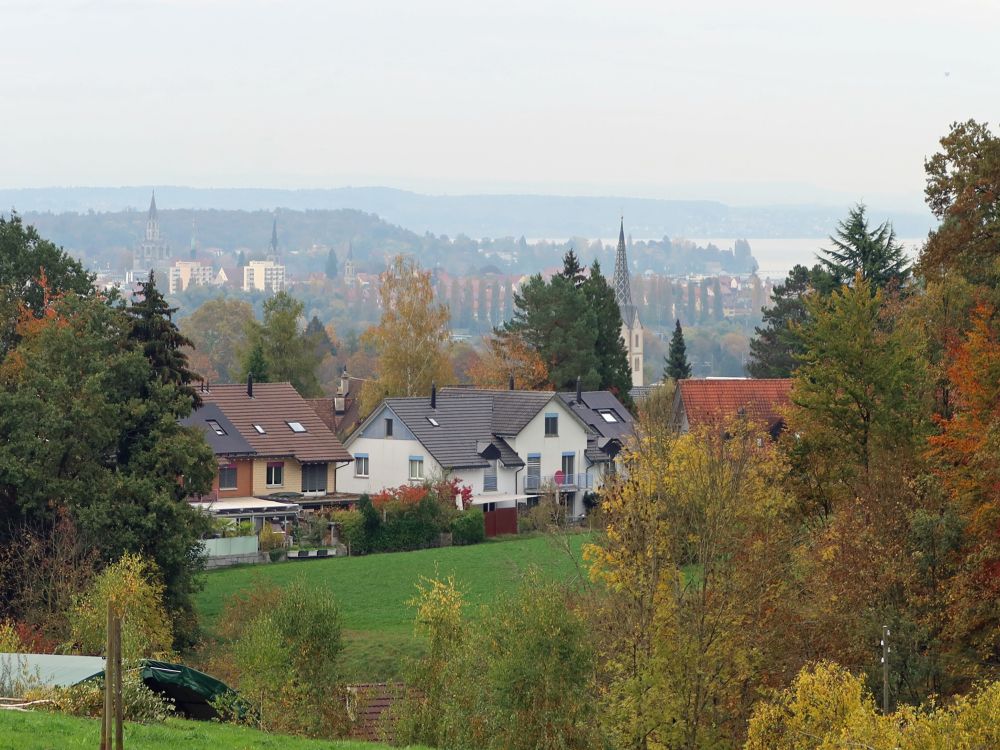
(342, 413)
(714, 401)
(508, 446)
(269, 441)
(611, 426)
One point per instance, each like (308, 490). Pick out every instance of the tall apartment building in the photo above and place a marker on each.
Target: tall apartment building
(263, 276)
(184, 273)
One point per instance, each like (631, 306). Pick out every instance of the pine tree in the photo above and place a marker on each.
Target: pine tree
(875, 253)
(255, 364)
(677, 366)
(612, 357)
(331, 264)
(161, 340)
(572, 270)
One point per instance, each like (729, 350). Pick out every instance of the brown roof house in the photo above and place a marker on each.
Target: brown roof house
(342, 413)
(269, 441)
(714, 401)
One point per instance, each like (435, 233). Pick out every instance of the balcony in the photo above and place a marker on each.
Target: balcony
(558, 481)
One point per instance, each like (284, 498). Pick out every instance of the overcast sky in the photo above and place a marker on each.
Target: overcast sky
(740, 101)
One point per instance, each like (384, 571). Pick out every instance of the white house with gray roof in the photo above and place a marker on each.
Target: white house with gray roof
(508, 446)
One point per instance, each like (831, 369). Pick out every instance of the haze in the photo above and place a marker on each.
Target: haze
(741, 102)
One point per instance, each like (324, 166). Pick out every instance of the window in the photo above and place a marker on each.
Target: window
(275, 474)
(314, 478)
(608, 416)
(433, 421)
(227, 476)
(569, 468)
(296, 426)
(416, 467)
(360, 464)
(637, 341)
(533, 477)
(216, 427)
(490, 477)
(388, 427)
(551, 425)
(260, 429)
(635, 365)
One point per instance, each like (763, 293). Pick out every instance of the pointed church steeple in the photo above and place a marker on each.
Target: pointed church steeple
(273, 247)
(622, 285)
(152, 221)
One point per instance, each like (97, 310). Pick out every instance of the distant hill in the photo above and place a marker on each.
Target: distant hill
(477, 216)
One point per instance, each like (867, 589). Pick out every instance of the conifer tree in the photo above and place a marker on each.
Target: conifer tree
(612, 358)
(255, 364)
(331, 264)
(160, 339)
(677, 366)
(873, 253)
(572, 270)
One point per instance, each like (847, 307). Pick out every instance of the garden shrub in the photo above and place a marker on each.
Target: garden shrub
(468, 527)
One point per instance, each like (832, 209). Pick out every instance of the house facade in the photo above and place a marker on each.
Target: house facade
(267, 440)
(508, 446)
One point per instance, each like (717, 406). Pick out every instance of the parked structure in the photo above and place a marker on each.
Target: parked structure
(714, 401)
(508, 446)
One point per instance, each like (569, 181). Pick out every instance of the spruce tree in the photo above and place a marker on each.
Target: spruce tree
(161, 341)
(677, 366)
(572, 270)
(331, 264)
(255, 364)
(612, 357)
(874, 253)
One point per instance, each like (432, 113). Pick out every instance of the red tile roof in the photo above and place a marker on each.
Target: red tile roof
(709, 402)
(273, 406)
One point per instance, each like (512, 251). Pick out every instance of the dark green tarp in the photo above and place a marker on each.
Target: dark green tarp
(192, 692)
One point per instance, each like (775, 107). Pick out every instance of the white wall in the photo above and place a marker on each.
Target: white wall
(388, 464)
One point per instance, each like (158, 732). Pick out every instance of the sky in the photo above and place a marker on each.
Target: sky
(744, 102)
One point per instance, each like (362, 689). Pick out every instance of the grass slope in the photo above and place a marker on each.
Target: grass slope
(44, 731)
(372, 591)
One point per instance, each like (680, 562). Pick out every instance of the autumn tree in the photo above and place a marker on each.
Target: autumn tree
(412, 339)
(218, 331)
(507, 356)
(963, 192)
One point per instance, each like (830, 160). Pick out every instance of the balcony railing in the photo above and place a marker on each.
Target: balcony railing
(560, 481)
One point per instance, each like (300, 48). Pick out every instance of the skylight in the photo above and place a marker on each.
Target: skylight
(433, 421)
(608, 416)
(260, 429)
(296, 426)
(216, 427)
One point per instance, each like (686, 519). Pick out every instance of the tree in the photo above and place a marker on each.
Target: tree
(287, 353)
(507, 356)
(677, 366)
(161, 341)
(774, 348)
(873, 254)
(718, 311)
(612, 358)
(556, 321)
(412, 339)
(963, 185)
(331, 264)
(218, 331)
(316, 332)
(572, 271)
(25, 260)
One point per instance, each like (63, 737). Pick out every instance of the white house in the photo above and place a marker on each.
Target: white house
(508, 446)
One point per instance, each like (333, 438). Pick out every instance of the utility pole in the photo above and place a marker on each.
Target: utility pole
(885, 670)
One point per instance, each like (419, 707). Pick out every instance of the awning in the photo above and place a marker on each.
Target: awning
(496, 497)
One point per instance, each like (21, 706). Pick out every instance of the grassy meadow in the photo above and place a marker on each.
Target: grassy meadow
(372, 591)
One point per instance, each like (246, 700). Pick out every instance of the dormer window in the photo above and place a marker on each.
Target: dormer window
(296, 426)
(260, 429)
(216, 427)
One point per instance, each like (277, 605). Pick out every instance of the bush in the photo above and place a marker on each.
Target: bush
(270, 539)
(139, 703)
(468, 527)
(351, 527)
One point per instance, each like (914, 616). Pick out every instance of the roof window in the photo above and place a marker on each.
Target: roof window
(260, 429)
(433, 421)
(608, 416)
(296, 426)
(216, 427)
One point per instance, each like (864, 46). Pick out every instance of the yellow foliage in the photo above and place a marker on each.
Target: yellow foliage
(134, 591)
(10, 641)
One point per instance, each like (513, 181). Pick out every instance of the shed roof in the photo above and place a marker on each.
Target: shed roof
(273, 406)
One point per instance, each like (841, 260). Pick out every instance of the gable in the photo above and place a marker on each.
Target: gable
(375, 427)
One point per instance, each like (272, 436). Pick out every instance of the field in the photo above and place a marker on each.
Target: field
(44, 731)
(372, 591)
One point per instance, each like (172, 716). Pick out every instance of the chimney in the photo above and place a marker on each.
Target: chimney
(510, 384)
(250, 384)
(579, 391)
(345, 383)
(434, 396)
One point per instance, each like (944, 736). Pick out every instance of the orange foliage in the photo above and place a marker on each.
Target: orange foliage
(505, 355)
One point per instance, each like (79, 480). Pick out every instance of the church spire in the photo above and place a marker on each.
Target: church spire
(623, 288)
(152, 221)
(274, 236)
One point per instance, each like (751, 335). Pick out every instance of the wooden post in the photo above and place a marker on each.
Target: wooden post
(119, 707)
(108, 661)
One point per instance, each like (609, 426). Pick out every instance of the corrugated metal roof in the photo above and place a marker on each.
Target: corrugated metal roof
(272, 407)
(230, 444)
(711, 401)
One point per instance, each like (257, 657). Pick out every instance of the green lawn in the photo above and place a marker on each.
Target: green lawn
(44, 731)
(372, 591)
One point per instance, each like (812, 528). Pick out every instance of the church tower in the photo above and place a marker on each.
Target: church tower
(152, 253)
(350, 270)
(272, 248)
(631, 327)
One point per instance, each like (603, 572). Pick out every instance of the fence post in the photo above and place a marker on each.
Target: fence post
(108, 669)
(119, 707)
